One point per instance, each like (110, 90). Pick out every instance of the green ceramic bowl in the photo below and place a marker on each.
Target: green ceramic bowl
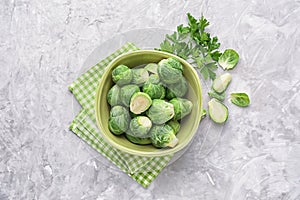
(188, 126)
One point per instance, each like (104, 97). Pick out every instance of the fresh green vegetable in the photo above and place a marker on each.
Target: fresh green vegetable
(152, 68)
(140, 102)
(140, 126)
(169, 70)
(122, 75)
(169, 94)
(221, 83)
(163, 136)
(175, 125)
(240, 99)
(160, 111)
(154, 88)
(218, 112)
(126, 93)
(139, 76)
(216, 95)
(203, 113)
(113, 96)
(137, 140)
(119, 119)
(179, 89)
(195, 45)
(182, 107)
(229, 59)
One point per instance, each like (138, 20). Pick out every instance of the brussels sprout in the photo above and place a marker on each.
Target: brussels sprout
(140, 126)
(216, 95)
(180, 88)
(126, 93)
(182, 107)
(137, 140)
(122, 75)
(153, 88)
(169, 94)
(218, 112)
(175, 63)
(163, 136)
(160, 111)
(152, 68)
(113, 96)
(240, 99)
(229, 59)
(119, 120)
(140, 102)
(154, 78)
(170, 70)
(139, 76)
(221, 83)
(175, 125)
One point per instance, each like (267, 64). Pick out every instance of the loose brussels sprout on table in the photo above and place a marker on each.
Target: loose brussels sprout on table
(153, 113)
(140, 126)
(160, 111)
(163, 136)
(122, 75)
(153, 88)
(119, 119)
(139, 76)
(126, 93)
(113, 96)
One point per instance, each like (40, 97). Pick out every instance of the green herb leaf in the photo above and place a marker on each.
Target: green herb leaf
(195, 45)
(240, 99)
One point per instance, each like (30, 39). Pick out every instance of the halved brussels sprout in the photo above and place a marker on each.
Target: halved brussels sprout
(152, 68)
(140, 102)
(153, 88)
(139, 76)
(170, 70)
(163, 136)
(217, 111)
(126, 93)
(182, 107)
(137, 140)
(113, 96)
(119, 120)
(140, 126)
(160, 111)
(175, 125)
(221, 83)
(122, 75)
(180, 88)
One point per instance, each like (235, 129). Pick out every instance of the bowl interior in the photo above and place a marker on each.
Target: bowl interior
(189, 124)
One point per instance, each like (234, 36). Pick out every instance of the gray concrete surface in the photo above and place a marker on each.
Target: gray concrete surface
(43, 45)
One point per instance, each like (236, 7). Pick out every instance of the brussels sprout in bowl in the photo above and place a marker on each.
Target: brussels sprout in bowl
(184, 131)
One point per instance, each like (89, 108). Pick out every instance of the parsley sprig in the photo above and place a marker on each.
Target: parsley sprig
(195, 45)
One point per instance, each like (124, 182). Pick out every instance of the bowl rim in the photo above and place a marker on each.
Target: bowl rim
(167, 151)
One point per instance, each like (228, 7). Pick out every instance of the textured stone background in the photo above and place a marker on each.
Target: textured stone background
(43, 45)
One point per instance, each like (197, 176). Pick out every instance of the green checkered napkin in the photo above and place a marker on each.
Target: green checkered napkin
(142, 169)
